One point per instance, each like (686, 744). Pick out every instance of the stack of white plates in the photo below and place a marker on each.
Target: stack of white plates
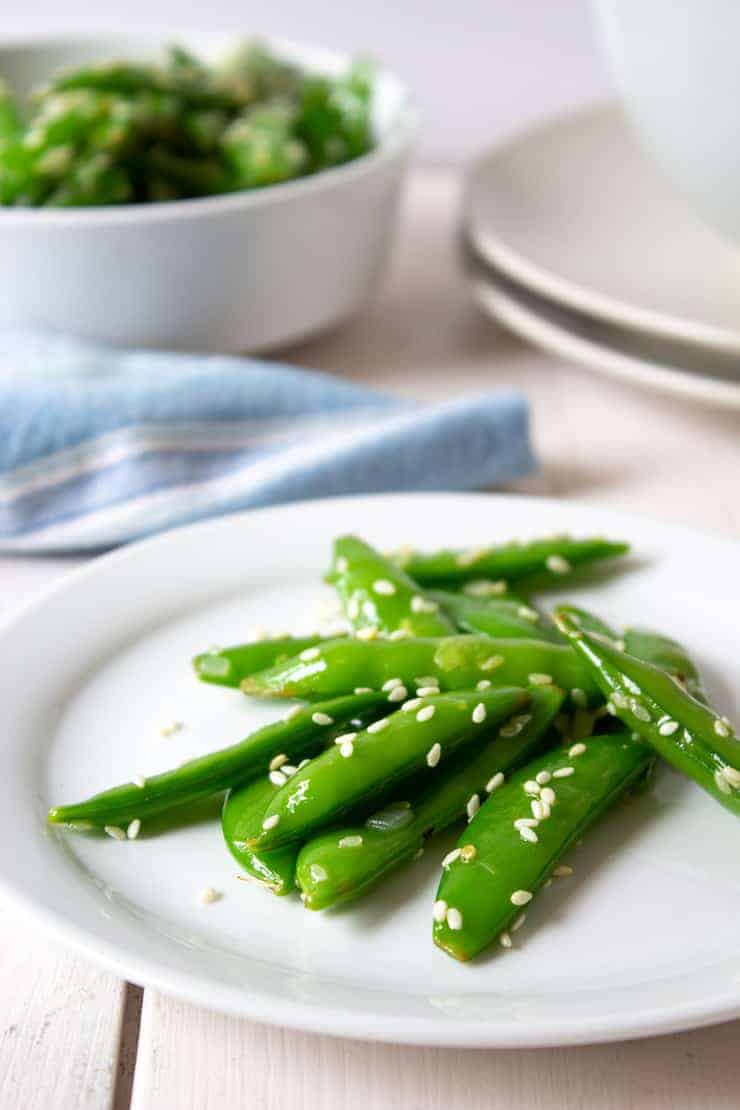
(575, 241)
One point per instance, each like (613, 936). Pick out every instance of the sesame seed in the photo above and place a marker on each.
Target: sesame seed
(322, 719)
(640, 711)
(471, 555)
(439, 911)
(209, 895)
(289, 771)
(528, 614)
(423, 605)
(526, 823)
(719, 779)
(133, 829)
(427, 691)
(484, 684)
(631, 686)
(346, 738)
(383, 587)
(309, 653)
(620, 700)
(485, 587)
(170, 728)
(317, 873)
(521, 897)
(492, 663)
(412, 703)
(398, 693)
(518, 923)
(619, 645)
(346, 749)
(370, 633)
(426, 713)
(494, 782)
(434, 755)
(528, 834)
(721, 728)
(562, 871)
(531, 787)
(350, 842)
(426, 680)
(277, 761)
(479, 714)
(505, 940)
(668, 728)
(543, 777)
(363, 689)
(563, 772)
(451, 857)
(578, 697)
(342, 565)
(454, 919)
(547, 794)
(391, 684)
(540, 679)
(473, 806)
(577, 749)
(732, 776)
(468, 852)
(302, 764)
(378, 726)
(538, 809)
(271, 822)
(139, 780)
(115, 832)
(277, 778)
(399, 634)
(558, 564)
(610, 709)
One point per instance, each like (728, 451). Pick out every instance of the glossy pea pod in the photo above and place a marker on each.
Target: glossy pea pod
(229, 666)
(349, 861)
(494, 616)
(340, 666)
(370, 765)
(666, 653)
(245, 807)
(555, 558)
(199, 778)
(375, 593)
(518, 836)
(687, 733)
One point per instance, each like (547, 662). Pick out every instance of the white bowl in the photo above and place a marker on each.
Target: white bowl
(247, 271)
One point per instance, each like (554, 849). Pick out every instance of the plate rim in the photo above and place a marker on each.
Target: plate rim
(563, 291)
(441, 1031)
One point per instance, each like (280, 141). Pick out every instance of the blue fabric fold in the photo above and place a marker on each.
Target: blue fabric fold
(99, 446)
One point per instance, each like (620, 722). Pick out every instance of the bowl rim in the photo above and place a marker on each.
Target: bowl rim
(395, 142)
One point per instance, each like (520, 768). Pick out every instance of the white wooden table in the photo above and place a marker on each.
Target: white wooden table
(74, 1037)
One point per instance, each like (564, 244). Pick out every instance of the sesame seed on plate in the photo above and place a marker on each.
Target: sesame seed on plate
(378, 726)
(322, 719)
(631, 686)
(114, 832)
(363, 689)
(668, 728)
(277, 761)
(383, 587)
(517, 924)
(346, 738)
(492, 663)
(277, 778)
(350, 842)
(528, 834)
(451, 857)
(577, 749)
(484, 684)
(346, 749)
(434, 755)
(543, 777)
(398, 693)
(391, 684)
(412, 703)
(423, 605)
(719, 779)
(471, 555)
(309, 653)
(302, 764)
(494, 782)
(505, 940)
(288, 770)
(426, 713)
(139, 780)
(538, 809)
(610, 709)
(271, 822)
(531, 787)
(526, 823)
(133, 829)
(721, 728)
(521, 897)
(473, 806)
(468, 852)
(558, 564)
(547, 794)
(209, 895)
(563, 772)
(537, 679)
(640, 711)
(562, 871)
(427, 691)
(454, 919)
(426, 680)
(439, 912)
(479, 714)
(317, 873)
(621, 701)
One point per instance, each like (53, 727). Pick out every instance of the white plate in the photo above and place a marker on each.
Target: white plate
(642, 939)
(618, 352)
(575, 211)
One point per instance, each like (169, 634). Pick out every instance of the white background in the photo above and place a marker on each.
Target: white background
(478, 68)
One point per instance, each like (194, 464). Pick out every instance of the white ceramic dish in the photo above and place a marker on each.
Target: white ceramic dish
(620, 353)
(641, 940)
(248, 271)
(574, 210)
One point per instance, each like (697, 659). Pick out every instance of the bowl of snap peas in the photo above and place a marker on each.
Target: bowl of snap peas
(196, 191)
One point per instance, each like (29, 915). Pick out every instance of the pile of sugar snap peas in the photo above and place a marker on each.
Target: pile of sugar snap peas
(124, 132)
(450, 699)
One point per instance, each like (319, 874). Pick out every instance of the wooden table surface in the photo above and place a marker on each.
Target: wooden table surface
(75, 1037)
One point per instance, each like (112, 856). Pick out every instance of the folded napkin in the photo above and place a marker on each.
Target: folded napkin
(99, 446)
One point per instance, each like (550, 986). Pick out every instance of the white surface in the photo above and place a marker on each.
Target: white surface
(579, 973)
(574, 210)
(676, 67)
(240, 272)
(600, 440)
(478, 71)
(603, 349)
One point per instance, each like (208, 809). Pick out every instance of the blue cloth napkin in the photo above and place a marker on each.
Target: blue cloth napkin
(99, 446)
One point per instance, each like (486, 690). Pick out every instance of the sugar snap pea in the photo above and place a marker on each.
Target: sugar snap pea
(666, 653)
(340, 666)
(346, 862)
(687, 733)
(229, 666)
(494, 616)
(377, 594)
(517, 837)
(209, 774)
(370, 764)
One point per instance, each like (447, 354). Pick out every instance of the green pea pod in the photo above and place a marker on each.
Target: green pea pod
(245, 807)
(294, 736)
(229, 666)
(662, 651)
(346, 862)
(687, 733)
(370, 765)
(495, 616)
(11, 122)
(555, 557)
(376, 594)
(500, 864)
(340, 666)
